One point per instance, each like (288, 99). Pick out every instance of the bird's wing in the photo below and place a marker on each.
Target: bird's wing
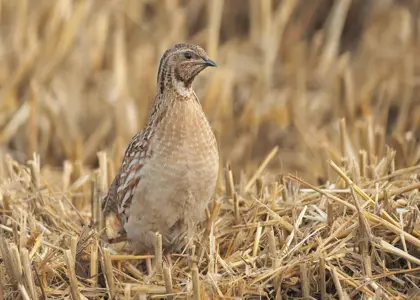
(120, 194)
(121, 191)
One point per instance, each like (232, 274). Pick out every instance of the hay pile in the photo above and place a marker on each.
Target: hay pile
(315, 108)
(354, 237)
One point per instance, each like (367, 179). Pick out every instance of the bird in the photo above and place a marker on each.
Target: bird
(170, 168)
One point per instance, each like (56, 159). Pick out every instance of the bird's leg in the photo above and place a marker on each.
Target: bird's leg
(149, 266)
(168, 259)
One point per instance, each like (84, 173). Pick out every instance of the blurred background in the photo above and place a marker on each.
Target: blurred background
(79, 76)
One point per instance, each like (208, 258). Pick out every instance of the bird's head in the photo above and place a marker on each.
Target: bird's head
(181, 64)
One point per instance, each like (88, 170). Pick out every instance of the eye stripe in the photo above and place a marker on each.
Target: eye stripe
(164, 59)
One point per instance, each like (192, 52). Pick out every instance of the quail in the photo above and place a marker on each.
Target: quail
(170, 168)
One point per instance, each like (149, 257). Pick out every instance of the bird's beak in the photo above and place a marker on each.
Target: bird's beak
(208, 62)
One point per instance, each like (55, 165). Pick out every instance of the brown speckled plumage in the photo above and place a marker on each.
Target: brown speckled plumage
(169, 170)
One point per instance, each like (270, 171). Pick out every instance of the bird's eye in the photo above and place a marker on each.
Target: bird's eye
(188, 55)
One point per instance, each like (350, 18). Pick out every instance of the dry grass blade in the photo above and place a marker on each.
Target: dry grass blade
(109, 274)
(27, 271)
(74, 289)
(337, 284)
(196, 283)
(261, 168)
(168, 281)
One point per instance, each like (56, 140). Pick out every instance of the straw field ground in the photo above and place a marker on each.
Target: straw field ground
(316, 109)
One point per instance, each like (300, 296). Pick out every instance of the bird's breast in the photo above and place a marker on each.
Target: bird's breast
(184, 147)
